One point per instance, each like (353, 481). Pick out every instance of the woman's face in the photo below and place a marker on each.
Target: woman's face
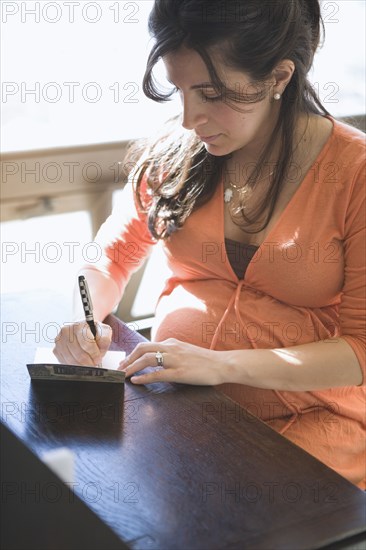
(222, 128)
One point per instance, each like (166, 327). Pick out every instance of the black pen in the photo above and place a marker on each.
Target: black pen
(87, 304)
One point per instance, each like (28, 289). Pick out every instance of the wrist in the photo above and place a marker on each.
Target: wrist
(233, 366)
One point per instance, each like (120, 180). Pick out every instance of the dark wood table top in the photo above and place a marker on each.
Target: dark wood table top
(170, 466)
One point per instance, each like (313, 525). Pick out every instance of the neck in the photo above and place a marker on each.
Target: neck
(250, 155)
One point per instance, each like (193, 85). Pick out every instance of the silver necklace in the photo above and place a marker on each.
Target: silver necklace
(229, 193)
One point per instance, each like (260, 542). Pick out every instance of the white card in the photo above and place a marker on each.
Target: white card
(111, 360)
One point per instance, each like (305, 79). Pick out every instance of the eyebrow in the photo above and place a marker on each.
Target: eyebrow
(203, 85)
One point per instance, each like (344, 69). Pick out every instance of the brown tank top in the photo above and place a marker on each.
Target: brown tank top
(239, 255)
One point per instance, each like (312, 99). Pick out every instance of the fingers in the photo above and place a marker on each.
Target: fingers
(170, 345)
(144, 355)
(179, 362)
(160, 375)
(139, 359)
(76, 345)
(104, 337)
(98, 346)
(66, 355)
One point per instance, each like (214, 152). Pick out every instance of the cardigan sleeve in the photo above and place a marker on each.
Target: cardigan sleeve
(352, 312)
(123, 241)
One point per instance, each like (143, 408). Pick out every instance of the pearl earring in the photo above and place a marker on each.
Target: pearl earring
(277, 96)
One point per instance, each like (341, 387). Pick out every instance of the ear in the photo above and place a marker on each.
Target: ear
(282, 75)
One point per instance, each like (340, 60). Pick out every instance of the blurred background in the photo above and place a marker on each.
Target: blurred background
(71, 89)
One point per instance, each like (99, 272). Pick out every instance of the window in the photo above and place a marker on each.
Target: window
(338, 74)
(72, 71)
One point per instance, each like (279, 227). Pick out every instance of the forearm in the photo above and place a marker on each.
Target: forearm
(104, 293)
(314, 366)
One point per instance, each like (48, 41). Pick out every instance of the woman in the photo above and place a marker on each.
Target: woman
(259, 204)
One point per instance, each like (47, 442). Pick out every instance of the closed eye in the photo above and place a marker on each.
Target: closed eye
(202, 88)
(212, 98)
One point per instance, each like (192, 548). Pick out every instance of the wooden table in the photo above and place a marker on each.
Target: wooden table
(171, 466)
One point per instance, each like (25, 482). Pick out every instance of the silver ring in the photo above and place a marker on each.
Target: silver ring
(159, 358)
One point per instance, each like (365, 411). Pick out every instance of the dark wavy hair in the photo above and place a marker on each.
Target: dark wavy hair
(252, 36)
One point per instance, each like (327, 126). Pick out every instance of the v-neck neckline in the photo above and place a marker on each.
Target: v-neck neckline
(294, 199)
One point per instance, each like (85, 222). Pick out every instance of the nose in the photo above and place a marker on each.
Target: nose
(194, 114)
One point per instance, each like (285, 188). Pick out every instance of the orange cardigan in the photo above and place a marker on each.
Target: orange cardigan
(305, 283)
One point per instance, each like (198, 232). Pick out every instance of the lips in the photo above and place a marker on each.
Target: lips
(208, 139)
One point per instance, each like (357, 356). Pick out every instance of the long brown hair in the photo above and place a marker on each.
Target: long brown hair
(253, 36)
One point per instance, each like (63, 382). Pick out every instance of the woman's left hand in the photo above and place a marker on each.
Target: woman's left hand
(181, 362)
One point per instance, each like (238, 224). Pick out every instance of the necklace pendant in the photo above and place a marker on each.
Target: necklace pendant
(228, 195)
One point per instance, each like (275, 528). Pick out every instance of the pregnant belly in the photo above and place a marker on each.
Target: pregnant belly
(195, 311)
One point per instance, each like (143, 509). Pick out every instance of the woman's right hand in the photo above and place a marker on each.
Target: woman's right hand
(76, 345)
